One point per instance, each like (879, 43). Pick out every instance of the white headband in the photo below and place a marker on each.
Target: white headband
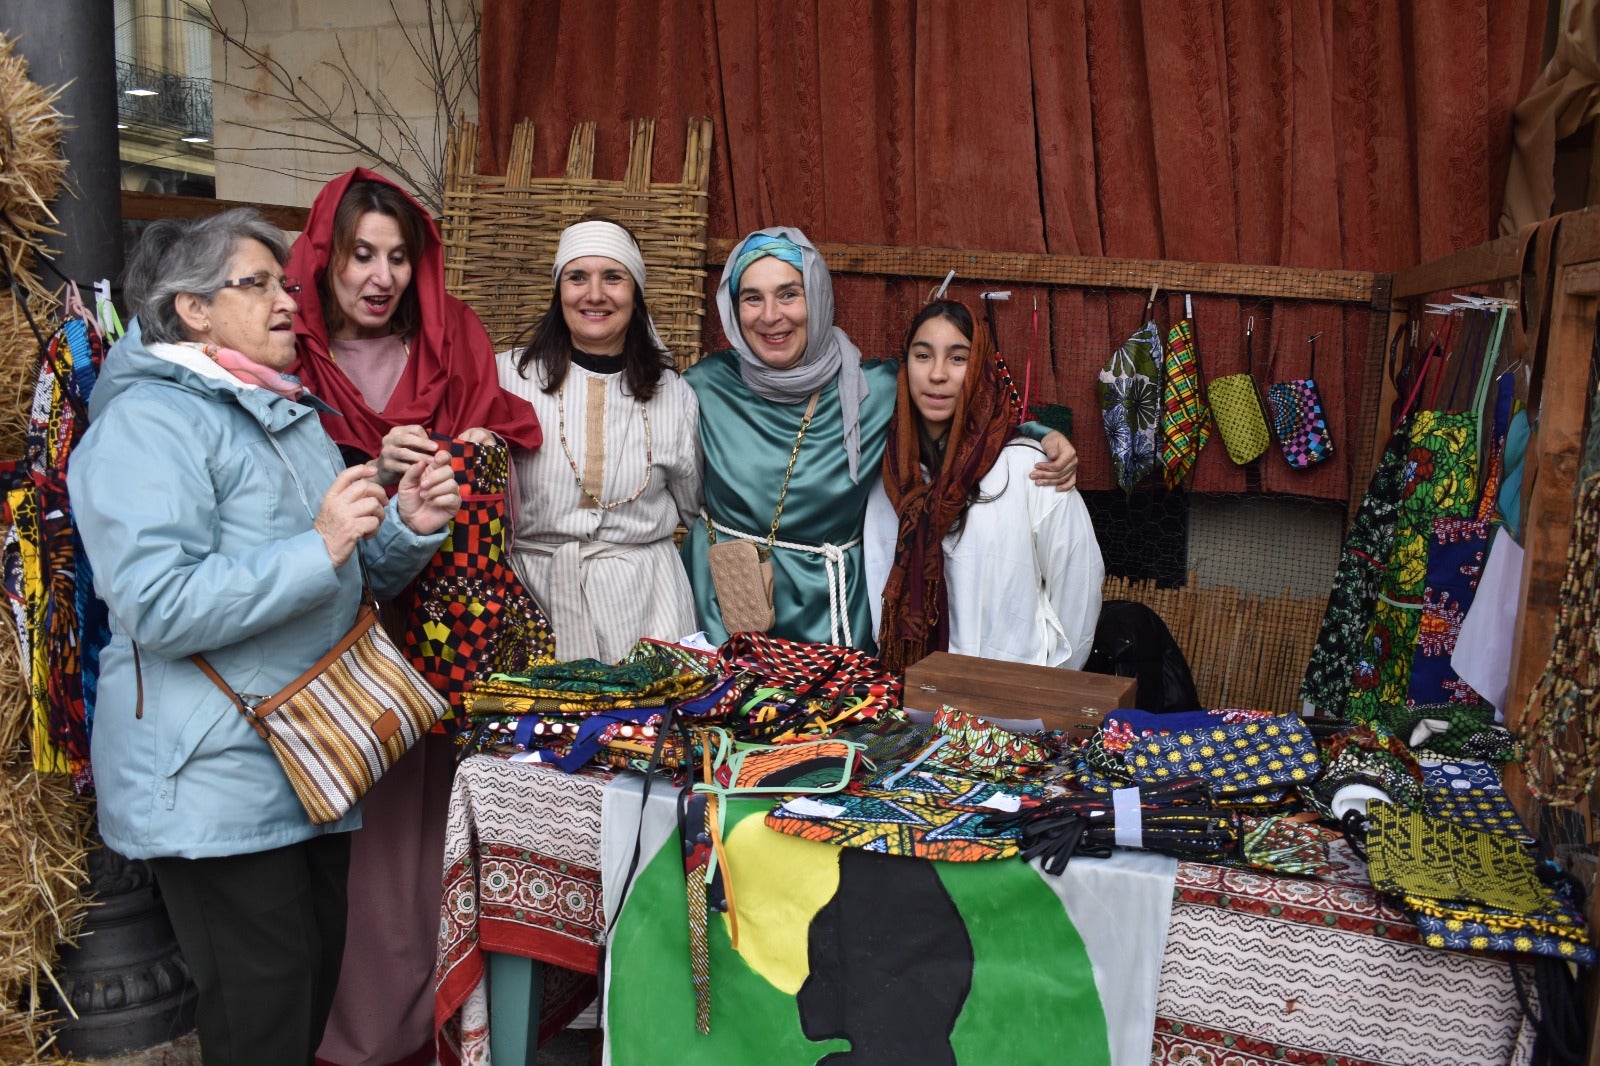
(596, 237)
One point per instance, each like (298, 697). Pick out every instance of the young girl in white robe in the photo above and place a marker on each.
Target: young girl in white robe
(970, 555)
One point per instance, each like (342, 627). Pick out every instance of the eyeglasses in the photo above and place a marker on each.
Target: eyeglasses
(265, 282)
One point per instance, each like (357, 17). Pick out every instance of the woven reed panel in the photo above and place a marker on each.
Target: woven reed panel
(500, 231)
(1245, 650)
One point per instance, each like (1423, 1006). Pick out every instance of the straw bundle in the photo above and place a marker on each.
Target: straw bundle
(43, 828)
(31, 166)
(19, 366)
(500, 233)
(1245, 650)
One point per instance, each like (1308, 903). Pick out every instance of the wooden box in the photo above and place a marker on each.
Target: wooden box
(1072, 700)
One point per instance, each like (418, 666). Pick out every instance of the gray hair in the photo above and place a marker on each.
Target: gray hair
(178, 255)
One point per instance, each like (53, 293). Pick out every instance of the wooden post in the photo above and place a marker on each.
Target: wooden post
(1551, 467)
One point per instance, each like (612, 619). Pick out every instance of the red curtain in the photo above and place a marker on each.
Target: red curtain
(1312, 133)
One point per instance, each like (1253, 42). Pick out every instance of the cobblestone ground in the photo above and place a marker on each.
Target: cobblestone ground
(569, 1048)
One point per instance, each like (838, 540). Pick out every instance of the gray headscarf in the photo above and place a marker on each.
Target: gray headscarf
(829, 353)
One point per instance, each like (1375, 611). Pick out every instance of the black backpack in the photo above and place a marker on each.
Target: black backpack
(1131, 640)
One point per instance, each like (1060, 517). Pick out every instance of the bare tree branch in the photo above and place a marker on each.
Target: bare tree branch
(353, 118)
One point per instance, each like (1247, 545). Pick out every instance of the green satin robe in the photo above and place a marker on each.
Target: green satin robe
(746, 442)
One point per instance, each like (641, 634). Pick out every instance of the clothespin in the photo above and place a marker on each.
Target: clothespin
(1188, 306)
(1003, 294)
(106, 312)
(943, 287)
(1150, 301)
(1312, 340)
(1250, 327)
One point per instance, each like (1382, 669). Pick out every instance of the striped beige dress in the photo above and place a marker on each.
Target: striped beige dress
(595, 546)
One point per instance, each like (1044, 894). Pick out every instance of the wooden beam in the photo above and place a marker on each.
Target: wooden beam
(1271, 282)
(148, 207)
(1499, 260)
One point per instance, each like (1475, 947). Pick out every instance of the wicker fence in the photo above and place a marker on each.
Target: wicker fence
(1245, 650)
(500, 232)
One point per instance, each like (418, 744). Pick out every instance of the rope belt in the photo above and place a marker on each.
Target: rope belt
(833, 560)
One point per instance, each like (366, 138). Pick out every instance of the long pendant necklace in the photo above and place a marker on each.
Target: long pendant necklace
(649, 453)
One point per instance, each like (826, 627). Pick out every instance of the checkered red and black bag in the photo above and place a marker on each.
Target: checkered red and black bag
(468, 615)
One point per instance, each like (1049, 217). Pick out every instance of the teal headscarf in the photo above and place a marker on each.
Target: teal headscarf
(829, 355)
(759, 246)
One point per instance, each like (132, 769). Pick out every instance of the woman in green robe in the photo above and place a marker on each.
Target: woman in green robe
(791, 481)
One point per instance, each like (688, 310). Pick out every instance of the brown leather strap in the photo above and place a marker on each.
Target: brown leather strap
(366, 618)
(216, 679)
(1536, 301)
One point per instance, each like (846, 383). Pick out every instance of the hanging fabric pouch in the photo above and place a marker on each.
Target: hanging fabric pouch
(1129, 392)
(1297, 417)
(1237, 408)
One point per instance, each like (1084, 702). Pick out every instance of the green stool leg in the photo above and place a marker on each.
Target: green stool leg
(516, 993)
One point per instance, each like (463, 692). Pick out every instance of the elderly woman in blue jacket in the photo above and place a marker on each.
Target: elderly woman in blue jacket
(217, 519)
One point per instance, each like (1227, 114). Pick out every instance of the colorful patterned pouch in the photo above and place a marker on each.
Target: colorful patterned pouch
(1298, 421)
(1297, 418)
(1129, 392)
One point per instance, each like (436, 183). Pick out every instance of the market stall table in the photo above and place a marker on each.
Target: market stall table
(1253, 968)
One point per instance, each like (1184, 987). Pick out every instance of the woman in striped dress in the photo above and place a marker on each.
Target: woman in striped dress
(620, 466)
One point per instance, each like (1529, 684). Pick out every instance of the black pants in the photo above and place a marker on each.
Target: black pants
(263, 935)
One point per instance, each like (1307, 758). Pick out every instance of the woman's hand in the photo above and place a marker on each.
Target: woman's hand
(428, 497)
(478, 435)
(403, 447)
(1060, 468)
(351, 511)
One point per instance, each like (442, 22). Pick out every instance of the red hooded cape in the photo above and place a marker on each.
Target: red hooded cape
(449, 384)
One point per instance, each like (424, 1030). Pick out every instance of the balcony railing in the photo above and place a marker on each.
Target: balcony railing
(149, 97)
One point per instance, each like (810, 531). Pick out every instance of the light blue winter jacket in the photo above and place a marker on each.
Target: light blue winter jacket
(200, 542)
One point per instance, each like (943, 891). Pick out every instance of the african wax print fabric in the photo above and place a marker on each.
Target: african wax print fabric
(1185, 418)
(582, 685)
(1355, 584)
(1468, 793)
(829, 684)
(979, 744)
(1365, 757)
(469, 615)
(1440, 480)
(1232, 758)
(897, 822)
(1130, 405)
(1411, 853)
(1284, 845)
(1449, 729)
(60, 623)
(1468, 931)
(1455, 565)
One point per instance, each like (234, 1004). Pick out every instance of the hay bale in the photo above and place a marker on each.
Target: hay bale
(31, 165)
(43, 832)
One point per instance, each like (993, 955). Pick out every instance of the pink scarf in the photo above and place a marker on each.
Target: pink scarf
(251, 372)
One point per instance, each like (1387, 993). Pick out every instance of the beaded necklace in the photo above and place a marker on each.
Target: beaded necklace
(561, 431)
